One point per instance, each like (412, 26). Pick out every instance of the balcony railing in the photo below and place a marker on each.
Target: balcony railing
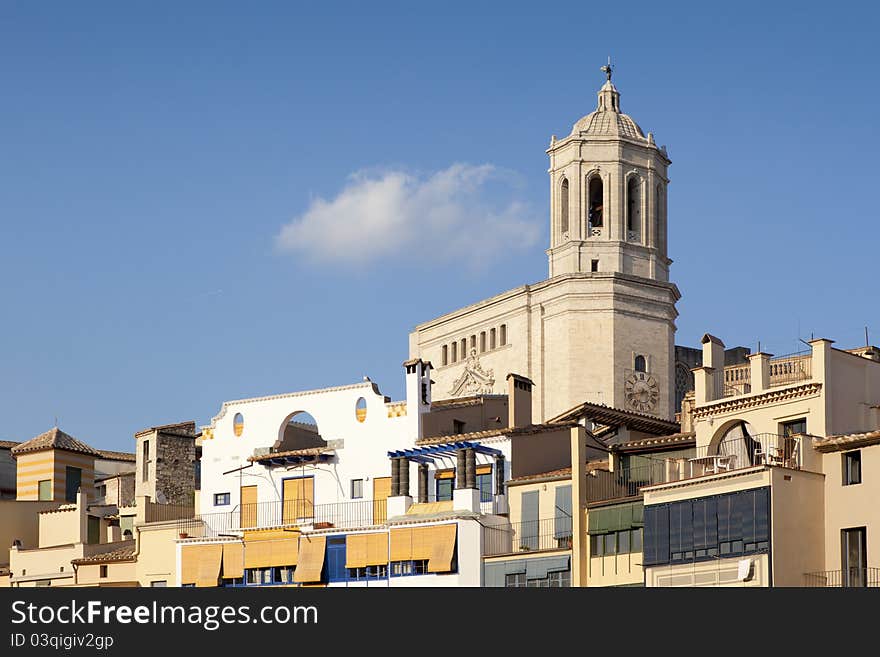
(746, 451)
(290, 513)
(626, 482)
(528, 536)
(846, 578)
(155, 512)
(736, 380)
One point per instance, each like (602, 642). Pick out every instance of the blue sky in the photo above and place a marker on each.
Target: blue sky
(153, 154)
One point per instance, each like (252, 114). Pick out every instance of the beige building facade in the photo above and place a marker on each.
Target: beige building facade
(601, 328)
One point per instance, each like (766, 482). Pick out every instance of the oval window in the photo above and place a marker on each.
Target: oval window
(238, 424)
(360, 409)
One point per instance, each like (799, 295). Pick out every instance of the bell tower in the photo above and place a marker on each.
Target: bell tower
(608, 195)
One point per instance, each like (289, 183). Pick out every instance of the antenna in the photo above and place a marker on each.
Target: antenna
(867, 343)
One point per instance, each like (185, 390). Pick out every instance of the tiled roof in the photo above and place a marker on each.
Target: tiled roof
(186, 429)
(54, 438)
(659, 441)
(846, 441)
(611, 416)
(491, 433)
(460, 402)
(117, 456)
(308, 451)
(119, 554)
(561, 473)
(8, 444)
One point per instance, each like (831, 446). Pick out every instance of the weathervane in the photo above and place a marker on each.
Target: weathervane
(607, 69)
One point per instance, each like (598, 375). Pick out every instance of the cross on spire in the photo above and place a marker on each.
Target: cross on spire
(607, 69)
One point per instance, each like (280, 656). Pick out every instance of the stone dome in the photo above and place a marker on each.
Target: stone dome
(608, 120)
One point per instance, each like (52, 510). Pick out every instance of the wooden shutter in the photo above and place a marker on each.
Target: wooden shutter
(233, 560)
(381, 491)
(299, 499)
(401, 544)
(356, 550)
(200, 564)
(311, 559)
(442, 548)
(248, 507)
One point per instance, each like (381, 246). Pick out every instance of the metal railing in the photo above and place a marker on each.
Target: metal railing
(790, 368)
(603, 485)
(845, 578)
(290, 513)
(744, 452)
(528, 536)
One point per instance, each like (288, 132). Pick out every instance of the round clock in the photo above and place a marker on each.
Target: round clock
(641, 391)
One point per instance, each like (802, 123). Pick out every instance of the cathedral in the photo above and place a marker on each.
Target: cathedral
(601, 327)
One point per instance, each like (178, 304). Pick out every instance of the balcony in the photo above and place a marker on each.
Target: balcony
(529, 536)
(287, 514)
(605, 486)
(846, 578)
(744, 452)
(735, 380)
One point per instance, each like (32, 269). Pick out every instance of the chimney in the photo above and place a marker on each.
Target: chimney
(519, 401)
(418, 391)
(114, 531)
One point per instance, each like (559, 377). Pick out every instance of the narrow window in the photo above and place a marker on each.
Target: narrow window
(103, 571)
(463, 348)
(502, 337)
(445, 355)
(852, 468)
(854, 557)
(594, 265)
(357, 488)
(444, 489)
(473, 342)
(564, 205)
(491, 338)
(594, 216)
(146, 461)
(657, 216)
(632, 205)
(482, 341)
(484, 485)
(640, 365)
(45, 490)
(457, 427)
(72, 483)
(454, 351)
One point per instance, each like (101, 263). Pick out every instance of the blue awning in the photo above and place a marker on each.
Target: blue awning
(428, 454)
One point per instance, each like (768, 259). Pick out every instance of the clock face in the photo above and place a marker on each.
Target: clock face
(642, 392)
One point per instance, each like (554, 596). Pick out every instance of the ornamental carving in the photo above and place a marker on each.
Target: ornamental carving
(474, 380)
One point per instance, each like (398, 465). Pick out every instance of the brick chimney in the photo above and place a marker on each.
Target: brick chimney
(519, 400)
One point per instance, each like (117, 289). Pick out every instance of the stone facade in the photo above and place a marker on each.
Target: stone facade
(602, 327)
(166, 459)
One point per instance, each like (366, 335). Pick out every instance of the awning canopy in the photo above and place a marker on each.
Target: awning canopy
(428, 454)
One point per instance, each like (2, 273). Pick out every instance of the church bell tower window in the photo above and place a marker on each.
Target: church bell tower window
(632, 208)
(594, 216)
(563, 202)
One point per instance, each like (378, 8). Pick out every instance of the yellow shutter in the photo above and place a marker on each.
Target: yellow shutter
(233, 560)
(299, 499)
(442, 548)
(248, 507)
(484, 469)
(311, 559)
(189, 564)
(356, 546)
(421, 543)
(269, 552)
(444, 474)
(381, 491)
(377, 549)
(401, 544)
(208, 567)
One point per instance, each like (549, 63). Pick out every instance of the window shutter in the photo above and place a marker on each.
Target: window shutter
(562, 528)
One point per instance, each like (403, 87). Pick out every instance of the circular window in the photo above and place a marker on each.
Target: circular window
(360, 409)
(238, 424)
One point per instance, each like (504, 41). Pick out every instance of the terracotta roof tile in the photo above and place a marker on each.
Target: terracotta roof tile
(658, 441)
(117, 456)
(8, 444)
(609, 415)
(846, 441)
(54, 438)
(491, 433)
(119, 554)
(308, 451)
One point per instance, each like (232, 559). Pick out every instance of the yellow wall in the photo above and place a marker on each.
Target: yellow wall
(45, 563)
(797, 525)
(546, 498)
(850, 506)
(61, 527)
(20, 520)
(119, 572)
(33, 467)
(615, 570)
(157, 553)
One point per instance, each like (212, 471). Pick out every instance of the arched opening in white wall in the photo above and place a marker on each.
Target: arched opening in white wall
(238, 424)
(299, 431)
(739, 445)
(360, 409)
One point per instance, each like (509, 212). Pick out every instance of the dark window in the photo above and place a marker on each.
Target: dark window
(852, 467)
(145, 474)
(159, 583)
(596, 545)
(594, 215)
(610, 544)
(515, 580)
(93, 529)
(444, 359)
(221, 499)
(444, 489)
(491, 338)
(559, 579)
(623, 542)
(454, 352)
(103, 571)
(640, 364)
(854, 556)
(594, 265)
(357, 488)
(502, 335)
(564, 205)
(794, 427)
(457, 427)
(636, 545)
(484, 485)
(482, 341)
(632, 206)
(73, 480)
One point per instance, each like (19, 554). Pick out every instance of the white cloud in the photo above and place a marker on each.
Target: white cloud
(450, 214)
